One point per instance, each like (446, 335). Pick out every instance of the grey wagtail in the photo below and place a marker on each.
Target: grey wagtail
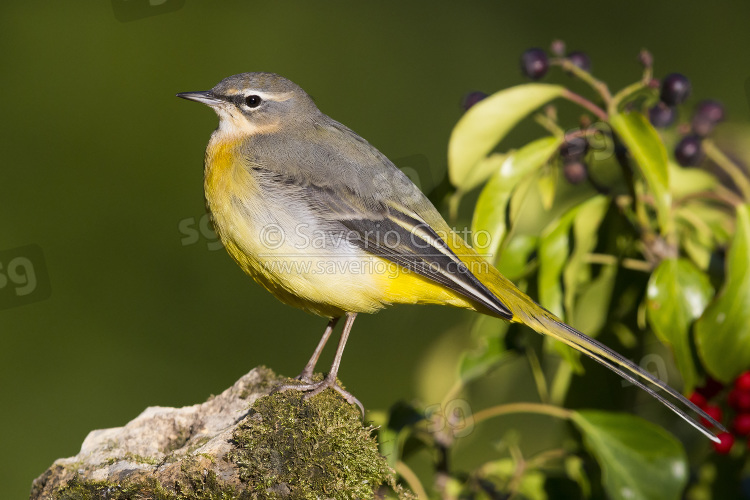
(325, 222)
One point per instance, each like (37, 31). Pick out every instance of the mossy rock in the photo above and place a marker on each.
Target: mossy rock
(241, 444)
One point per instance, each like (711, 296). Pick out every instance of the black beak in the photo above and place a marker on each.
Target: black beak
(206, 97)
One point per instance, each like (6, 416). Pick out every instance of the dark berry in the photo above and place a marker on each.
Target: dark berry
(689, 151)
(575, 171)
(710, 388)
(742, 382)
(471, 99)
(741, 424)
(580, 59)
(661, 115)
(725, 443)
(739, 400)
(574, 148)
(713, 412)
(675, 89)
(707, 114)
(534, 63)
(698, 400)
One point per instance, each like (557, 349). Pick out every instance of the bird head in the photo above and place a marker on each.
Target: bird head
(256, 103)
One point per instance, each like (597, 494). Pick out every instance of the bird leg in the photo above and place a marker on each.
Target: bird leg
(330, 380)
(307, 372)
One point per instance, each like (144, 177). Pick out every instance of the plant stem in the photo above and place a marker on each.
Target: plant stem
(542, 458)
(538, 373)
(599, 86)
(549, 125)
(727, 165)
(538, 408)
(622, 96)
(611, 260)
(561, 383)
(412, 480)
(722, 195)
(586, 104)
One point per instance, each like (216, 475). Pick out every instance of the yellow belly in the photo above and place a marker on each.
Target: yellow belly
(261, 237)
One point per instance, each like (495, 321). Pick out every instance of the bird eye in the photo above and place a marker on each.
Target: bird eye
(252, 101)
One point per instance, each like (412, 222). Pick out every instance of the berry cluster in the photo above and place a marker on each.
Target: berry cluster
(535, 63)
(738, 400)
(675, 89)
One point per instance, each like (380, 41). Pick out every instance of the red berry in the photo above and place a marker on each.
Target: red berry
(710, 388)
(534, 63)
(725, 443)
(742, 383)
(741, 424)
(739, 400)
(698, 400)
(713, 412)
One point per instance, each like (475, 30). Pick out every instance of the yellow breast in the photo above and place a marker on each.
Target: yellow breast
(263, 236)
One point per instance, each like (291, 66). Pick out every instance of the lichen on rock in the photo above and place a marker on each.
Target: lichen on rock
(243, 443)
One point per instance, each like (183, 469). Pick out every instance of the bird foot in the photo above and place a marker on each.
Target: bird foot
(304, 376)
(315, 388)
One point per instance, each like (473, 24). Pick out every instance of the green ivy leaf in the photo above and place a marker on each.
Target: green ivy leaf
(722, 334)
(554, 250)
(547, 186)
(489, 219)
(677, 294)
(686, 181)
(503, 473)
(553, 254)
(483, 126)
(482, 171)
(639, 460)
(592, 305)
(575, 470)
(553, 257)
(649, 153)
(514, 259)
(475, 364)
(586, 233)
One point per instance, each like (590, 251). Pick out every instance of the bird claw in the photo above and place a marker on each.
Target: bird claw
(315, 388)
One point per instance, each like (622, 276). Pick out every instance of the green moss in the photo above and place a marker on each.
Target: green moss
(286, 448)
(78, 489)
(291, 447)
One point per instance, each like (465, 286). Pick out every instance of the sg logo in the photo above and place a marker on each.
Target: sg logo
(23, 276)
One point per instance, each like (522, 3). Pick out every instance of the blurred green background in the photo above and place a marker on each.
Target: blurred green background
(102, 173)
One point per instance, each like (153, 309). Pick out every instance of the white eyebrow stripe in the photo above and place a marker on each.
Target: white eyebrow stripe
(269, 96)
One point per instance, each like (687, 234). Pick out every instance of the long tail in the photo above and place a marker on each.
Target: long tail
(528, 312)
